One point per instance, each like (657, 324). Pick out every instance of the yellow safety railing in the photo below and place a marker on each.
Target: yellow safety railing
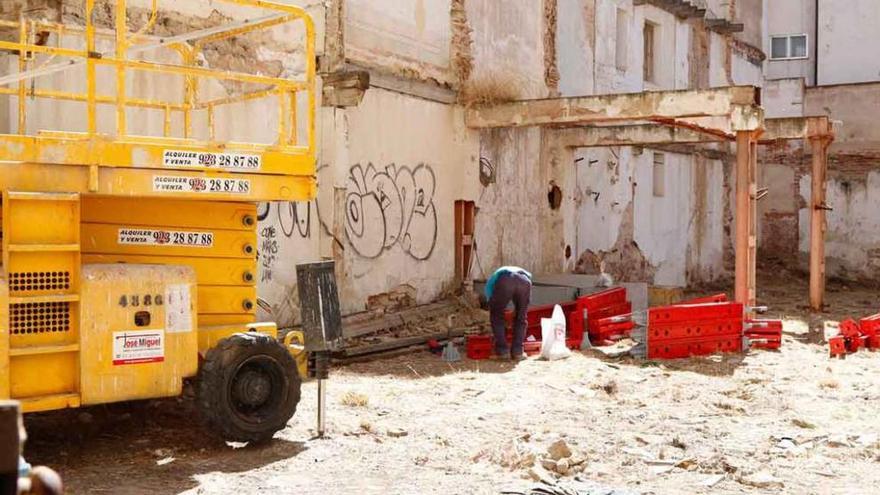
(125, 58)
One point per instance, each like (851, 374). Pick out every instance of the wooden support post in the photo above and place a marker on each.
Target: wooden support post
(753, 218)
(741, 246)
(818, 223)
(746, 191)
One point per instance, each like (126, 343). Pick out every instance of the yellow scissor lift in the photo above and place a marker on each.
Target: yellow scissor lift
(129, 258)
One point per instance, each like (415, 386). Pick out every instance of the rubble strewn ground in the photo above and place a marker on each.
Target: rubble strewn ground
(793, 421)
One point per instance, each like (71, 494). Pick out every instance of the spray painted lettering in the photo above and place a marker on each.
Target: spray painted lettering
(391, 207)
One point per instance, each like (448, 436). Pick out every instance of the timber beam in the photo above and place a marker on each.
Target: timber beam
(630, 135)
(676, 132)
(740, 103)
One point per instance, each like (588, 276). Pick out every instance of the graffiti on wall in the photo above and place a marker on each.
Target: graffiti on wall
(285, 221)
(391, 207)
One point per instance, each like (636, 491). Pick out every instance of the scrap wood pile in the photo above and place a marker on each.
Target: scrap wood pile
(853, 335)
(695, 327)
(369, 334)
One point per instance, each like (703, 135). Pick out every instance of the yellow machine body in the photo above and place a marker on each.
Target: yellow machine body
(126, 257)
(139, 340)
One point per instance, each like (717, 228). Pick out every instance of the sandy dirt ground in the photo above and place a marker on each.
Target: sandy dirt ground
(793, 421)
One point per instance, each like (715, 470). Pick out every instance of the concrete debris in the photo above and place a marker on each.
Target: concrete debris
(711, 481)
(559, 450)
(838, 441)
(762, 479)
(397, 433)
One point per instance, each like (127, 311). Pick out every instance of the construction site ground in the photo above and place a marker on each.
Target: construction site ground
(793, 421)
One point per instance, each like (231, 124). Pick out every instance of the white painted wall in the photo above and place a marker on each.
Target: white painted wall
(852, 243)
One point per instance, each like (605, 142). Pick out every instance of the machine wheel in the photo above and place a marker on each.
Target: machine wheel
(248, 387)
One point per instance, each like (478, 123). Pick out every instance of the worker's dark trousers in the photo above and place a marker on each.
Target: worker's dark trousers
(510, 287)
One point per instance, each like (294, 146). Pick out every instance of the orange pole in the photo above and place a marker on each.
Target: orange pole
(753, 218)
(818, 223)
(742, 216)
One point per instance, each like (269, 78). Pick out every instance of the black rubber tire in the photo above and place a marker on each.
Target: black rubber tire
(248, 387)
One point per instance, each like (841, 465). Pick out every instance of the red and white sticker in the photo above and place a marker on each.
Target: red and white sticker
(228, 161)
(219, 185)
(138, 347)
(154, 237)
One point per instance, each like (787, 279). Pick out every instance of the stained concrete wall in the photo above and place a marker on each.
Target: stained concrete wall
(845, 35)
(405, 37)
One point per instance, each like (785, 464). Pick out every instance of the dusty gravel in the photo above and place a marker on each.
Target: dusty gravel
(789, 422)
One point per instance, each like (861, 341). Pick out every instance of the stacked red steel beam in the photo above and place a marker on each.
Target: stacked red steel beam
(608, 315)
(707, 325)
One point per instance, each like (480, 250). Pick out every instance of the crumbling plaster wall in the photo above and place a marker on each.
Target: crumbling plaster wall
(667, 235)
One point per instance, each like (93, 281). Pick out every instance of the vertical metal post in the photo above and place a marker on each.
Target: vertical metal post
(90, 68)
(322, 401)
(22, 66)
(818, 222)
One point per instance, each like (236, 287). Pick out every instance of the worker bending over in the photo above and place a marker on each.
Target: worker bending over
(509, 283)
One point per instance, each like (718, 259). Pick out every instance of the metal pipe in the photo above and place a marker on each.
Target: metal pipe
(322, 400)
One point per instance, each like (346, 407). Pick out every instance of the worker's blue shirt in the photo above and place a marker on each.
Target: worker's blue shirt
(504, 270)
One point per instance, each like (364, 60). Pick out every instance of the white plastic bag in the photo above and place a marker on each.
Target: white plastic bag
(553, 336)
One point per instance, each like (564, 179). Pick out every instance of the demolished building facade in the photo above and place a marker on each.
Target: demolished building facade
(399, 168)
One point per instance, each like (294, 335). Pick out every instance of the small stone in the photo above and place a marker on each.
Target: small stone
(559, 450)
(576, 460)
(563, 466)
(762, 479)
(397, 433)
(548, 464)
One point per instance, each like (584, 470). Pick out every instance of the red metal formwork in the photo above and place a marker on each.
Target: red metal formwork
(608, 315)
(717, 298)
(870, 327)
(764, 334)
(685, 330)
(678, 314)
(683, 348)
